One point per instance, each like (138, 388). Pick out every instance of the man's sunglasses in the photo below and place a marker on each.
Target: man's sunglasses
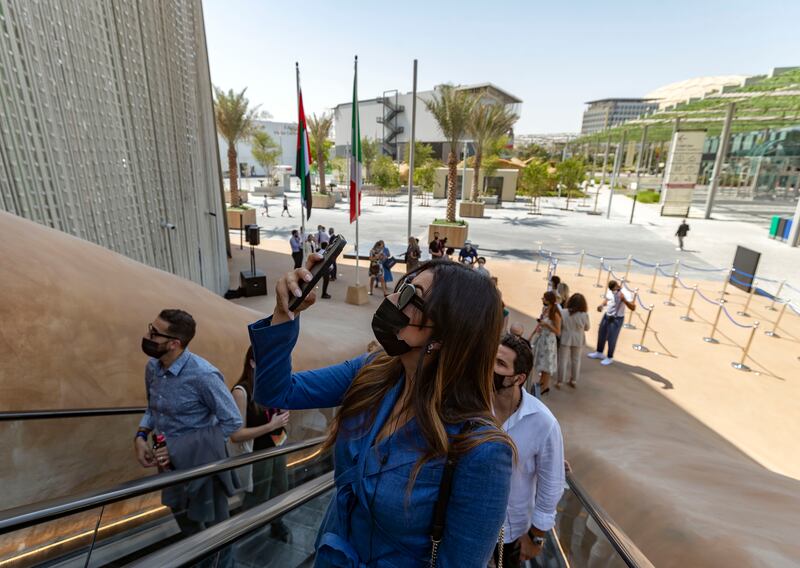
(408, 295)
(153, 332)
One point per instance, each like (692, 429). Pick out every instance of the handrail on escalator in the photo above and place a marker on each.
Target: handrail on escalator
(195, 547)
(624, 546)
(45, 414)
(36, 513)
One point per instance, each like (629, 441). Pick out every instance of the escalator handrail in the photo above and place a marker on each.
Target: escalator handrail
(197, 546)
(37, 513)
(627, 550)
(45, 414)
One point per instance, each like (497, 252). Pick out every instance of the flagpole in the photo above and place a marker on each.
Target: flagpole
(358, 178)
(411, 149)
(302, 212)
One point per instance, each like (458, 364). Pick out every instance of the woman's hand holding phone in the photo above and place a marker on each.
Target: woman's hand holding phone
(289, 287)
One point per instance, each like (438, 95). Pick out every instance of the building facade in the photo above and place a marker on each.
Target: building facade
(283, 133)
(388, 119)
(107, 129)
(606, 113)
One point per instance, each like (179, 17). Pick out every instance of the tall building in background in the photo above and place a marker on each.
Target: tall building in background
(107, 129)
(284, 134)
(606, 113)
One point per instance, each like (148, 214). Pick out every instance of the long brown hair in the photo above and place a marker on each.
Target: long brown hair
(552, 300)
(247, 380)
(454, 384)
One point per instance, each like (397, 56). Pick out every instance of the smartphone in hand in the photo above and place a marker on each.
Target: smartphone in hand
(334, 249)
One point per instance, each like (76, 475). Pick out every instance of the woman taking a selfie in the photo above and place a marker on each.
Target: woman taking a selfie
(426, 395)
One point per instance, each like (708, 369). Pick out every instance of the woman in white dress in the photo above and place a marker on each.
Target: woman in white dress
(543, 341)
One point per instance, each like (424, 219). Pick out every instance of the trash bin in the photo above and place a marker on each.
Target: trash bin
(787, 229)
(782, 221)
(773, 227)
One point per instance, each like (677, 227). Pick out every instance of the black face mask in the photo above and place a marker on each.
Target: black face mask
(499, 380)
(153, 349)
(387, 321)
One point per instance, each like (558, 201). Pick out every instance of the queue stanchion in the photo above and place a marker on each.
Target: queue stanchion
(628, 267)
(688, 315)
(599, 274)
(538, 258)
(580, 263)
(725, 284)
(652, 289)
(774, 331)
(640, 346)
(629, 324)
(669, 301)
(776, 296)
(745, 352)
(710, 338)
(749, 299)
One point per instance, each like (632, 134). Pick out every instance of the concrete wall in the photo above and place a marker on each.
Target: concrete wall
(107, 129)
(508, 193)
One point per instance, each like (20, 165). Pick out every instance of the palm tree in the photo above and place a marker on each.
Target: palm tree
(319, 128)
(487, 123)
(451, 108)
(234, 121)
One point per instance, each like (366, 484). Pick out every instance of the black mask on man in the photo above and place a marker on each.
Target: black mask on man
(387, 321)
(499, 380)
(152, 348)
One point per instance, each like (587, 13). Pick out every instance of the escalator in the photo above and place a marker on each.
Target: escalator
(126, 525)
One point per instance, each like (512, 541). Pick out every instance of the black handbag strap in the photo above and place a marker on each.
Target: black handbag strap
(445, 489)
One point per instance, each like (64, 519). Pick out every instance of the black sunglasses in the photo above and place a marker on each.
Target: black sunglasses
(408, 295)
(153, 332)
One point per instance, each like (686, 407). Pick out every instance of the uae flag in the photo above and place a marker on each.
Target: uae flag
(303, 165)
(355, 154)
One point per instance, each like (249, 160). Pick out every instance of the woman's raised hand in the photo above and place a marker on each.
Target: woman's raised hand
(289, 287)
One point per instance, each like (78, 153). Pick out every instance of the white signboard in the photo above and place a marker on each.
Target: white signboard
(683, 167)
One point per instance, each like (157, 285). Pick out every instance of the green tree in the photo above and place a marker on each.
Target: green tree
(487, 123)
(570, 173)
(340, 166)
(423, 153)
(425, 175)
(319, 128)
(234, 121)
(451, 108)
(265, 150)
(536, 180)
(369, 151)
(531, 150)
(385, 174)
(490, 165)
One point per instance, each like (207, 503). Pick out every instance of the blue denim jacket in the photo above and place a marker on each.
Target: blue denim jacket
(373, 520)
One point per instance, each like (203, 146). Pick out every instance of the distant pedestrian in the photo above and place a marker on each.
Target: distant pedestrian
(266, 206)
(436, 246)
(449, 252)
(552, 285)
(467, 254)
(573, 337)
(615, 302)
(286, 208)
(543, 341)
(334, 266)
(322, 235)
(481, 267)
(326, 276)
(562, 291)
(412, 254)
(388, 262)
(376, 273)
(297, 248)
(683, 230)
(310, 246)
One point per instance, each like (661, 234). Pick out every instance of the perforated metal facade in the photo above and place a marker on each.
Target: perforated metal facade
(107, 129)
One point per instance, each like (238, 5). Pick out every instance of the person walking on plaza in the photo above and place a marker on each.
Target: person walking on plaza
(285, 206)
(297, 248)
(189, 405)
(265, 205)
(537, 478)
(573, 338)
(543, 341)
(415, 441)
(683, 230)
(615, 302)
(413, 253)
(263, 428)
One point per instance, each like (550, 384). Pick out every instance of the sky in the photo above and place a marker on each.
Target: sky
(552, 55)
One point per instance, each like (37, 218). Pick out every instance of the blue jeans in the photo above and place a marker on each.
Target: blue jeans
(610, 327)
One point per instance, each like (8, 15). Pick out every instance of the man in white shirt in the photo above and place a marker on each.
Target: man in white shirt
(615, 302)
(537, 480)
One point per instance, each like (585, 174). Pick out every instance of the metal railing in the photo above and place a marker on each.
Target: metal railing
(70, 413)
(628, 552)
(200, 545)
(37, 513)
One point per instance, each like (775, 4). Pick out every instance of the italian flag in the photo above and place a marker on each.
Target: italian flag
(355, 154)
(303, 165)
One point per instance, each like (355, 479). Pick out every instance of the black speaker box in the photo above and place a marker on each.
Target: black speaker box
(253, 284)
(253, 235)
